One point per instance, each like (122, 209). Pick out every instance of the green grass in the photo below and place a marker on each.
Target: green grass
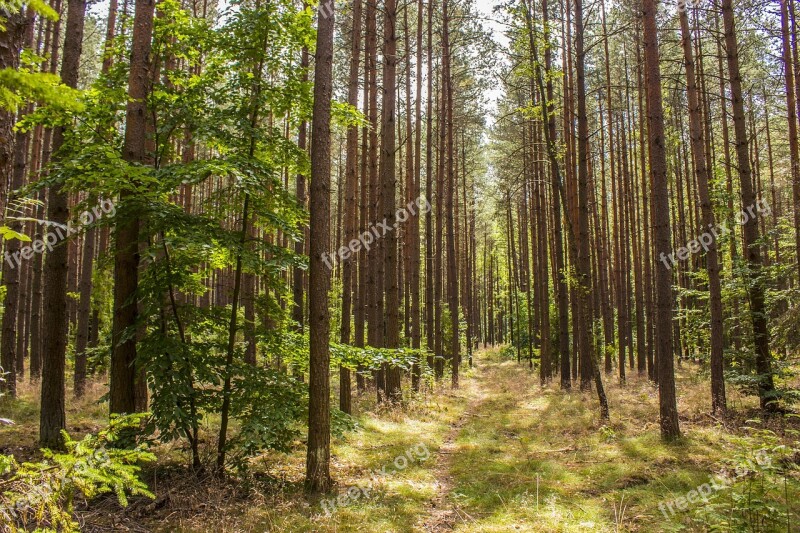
(540, 460)
(519, 457)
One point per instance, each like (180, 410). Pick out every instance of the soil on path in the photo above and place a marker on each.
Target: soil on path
(443, 513)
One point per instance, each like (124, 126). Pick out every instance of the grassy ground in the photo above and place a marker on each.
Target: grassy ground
(499, 454)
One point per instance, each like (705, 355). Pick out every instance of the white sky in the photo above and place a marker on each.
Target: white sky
(491, 23)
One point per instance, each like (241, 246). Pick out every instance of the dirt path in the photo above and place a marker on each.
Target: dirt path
(443, 514)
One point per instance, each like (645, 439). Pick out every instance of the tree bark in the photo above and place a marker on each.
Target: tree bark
(318, 477)
(351, 183)
(668, 409)
(389, 186)
(126, 251)
(709, 221)
(10, 45)
(298, 274)
(52, 419)
(758, 311)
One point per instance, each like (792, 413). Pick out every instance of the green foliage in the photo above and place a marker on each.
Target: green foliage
(508, 351)
(15, 6)
(18, 87)
(270, 406)
(760, 485)
(40, 495)
(27, 84)
(7, 234)
(607, 433)
(217, 87)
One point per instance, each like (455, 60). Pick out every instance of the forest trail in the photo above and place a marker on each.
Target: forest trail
(443, 513)
(491, 470)
(520, 457)
(501, 454)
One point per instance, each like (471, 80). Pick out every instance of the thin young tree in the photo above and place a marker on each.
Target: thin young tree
(416, 333)
(298, 274)
(709, 221)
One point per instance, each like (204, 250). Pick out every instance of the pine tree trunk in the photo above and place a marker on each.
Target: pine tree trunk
(429, 242)
(298, 274)
(758, 311)
(10, 44)
(709, 221)
(791, 105)
(351, 183)
(416, 333)
(661, 226)
(126, 254)
(388, 192)
(318, 477)
(52, 419)
(584, 287)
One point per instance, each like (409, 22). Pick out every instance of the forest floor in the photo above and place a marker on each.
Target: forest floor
(500, 453)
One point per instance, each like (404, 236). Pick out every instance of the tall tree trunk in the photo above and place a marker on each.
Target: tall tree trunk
(351, 183)
(21, 301)
(416, 333)
(52, 419)
(298, 274)
(126, 253)
(555, 177)
(10, 45)
(709, 221)
(429, 242)
(557, 185)
(668, 408)
(375, 269)
(36, 300)
(438, 258)
(758, 311)
(84, 312)
(318, 477)
(584, 288)
(389, 186)
(791, 105)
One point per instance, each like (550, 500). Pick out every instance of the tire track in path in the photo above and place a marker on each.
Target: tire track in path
(442, 513)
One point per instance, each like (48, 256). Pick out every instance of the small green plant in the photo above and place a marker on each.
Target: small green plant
(39, 496)
(508, 351)
(607, 433)
(760, 487)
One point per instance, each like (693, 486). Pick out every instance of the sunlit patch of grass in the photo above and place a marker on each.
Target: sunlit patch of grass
(540, 458)
(85, 415)
(396, 500)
